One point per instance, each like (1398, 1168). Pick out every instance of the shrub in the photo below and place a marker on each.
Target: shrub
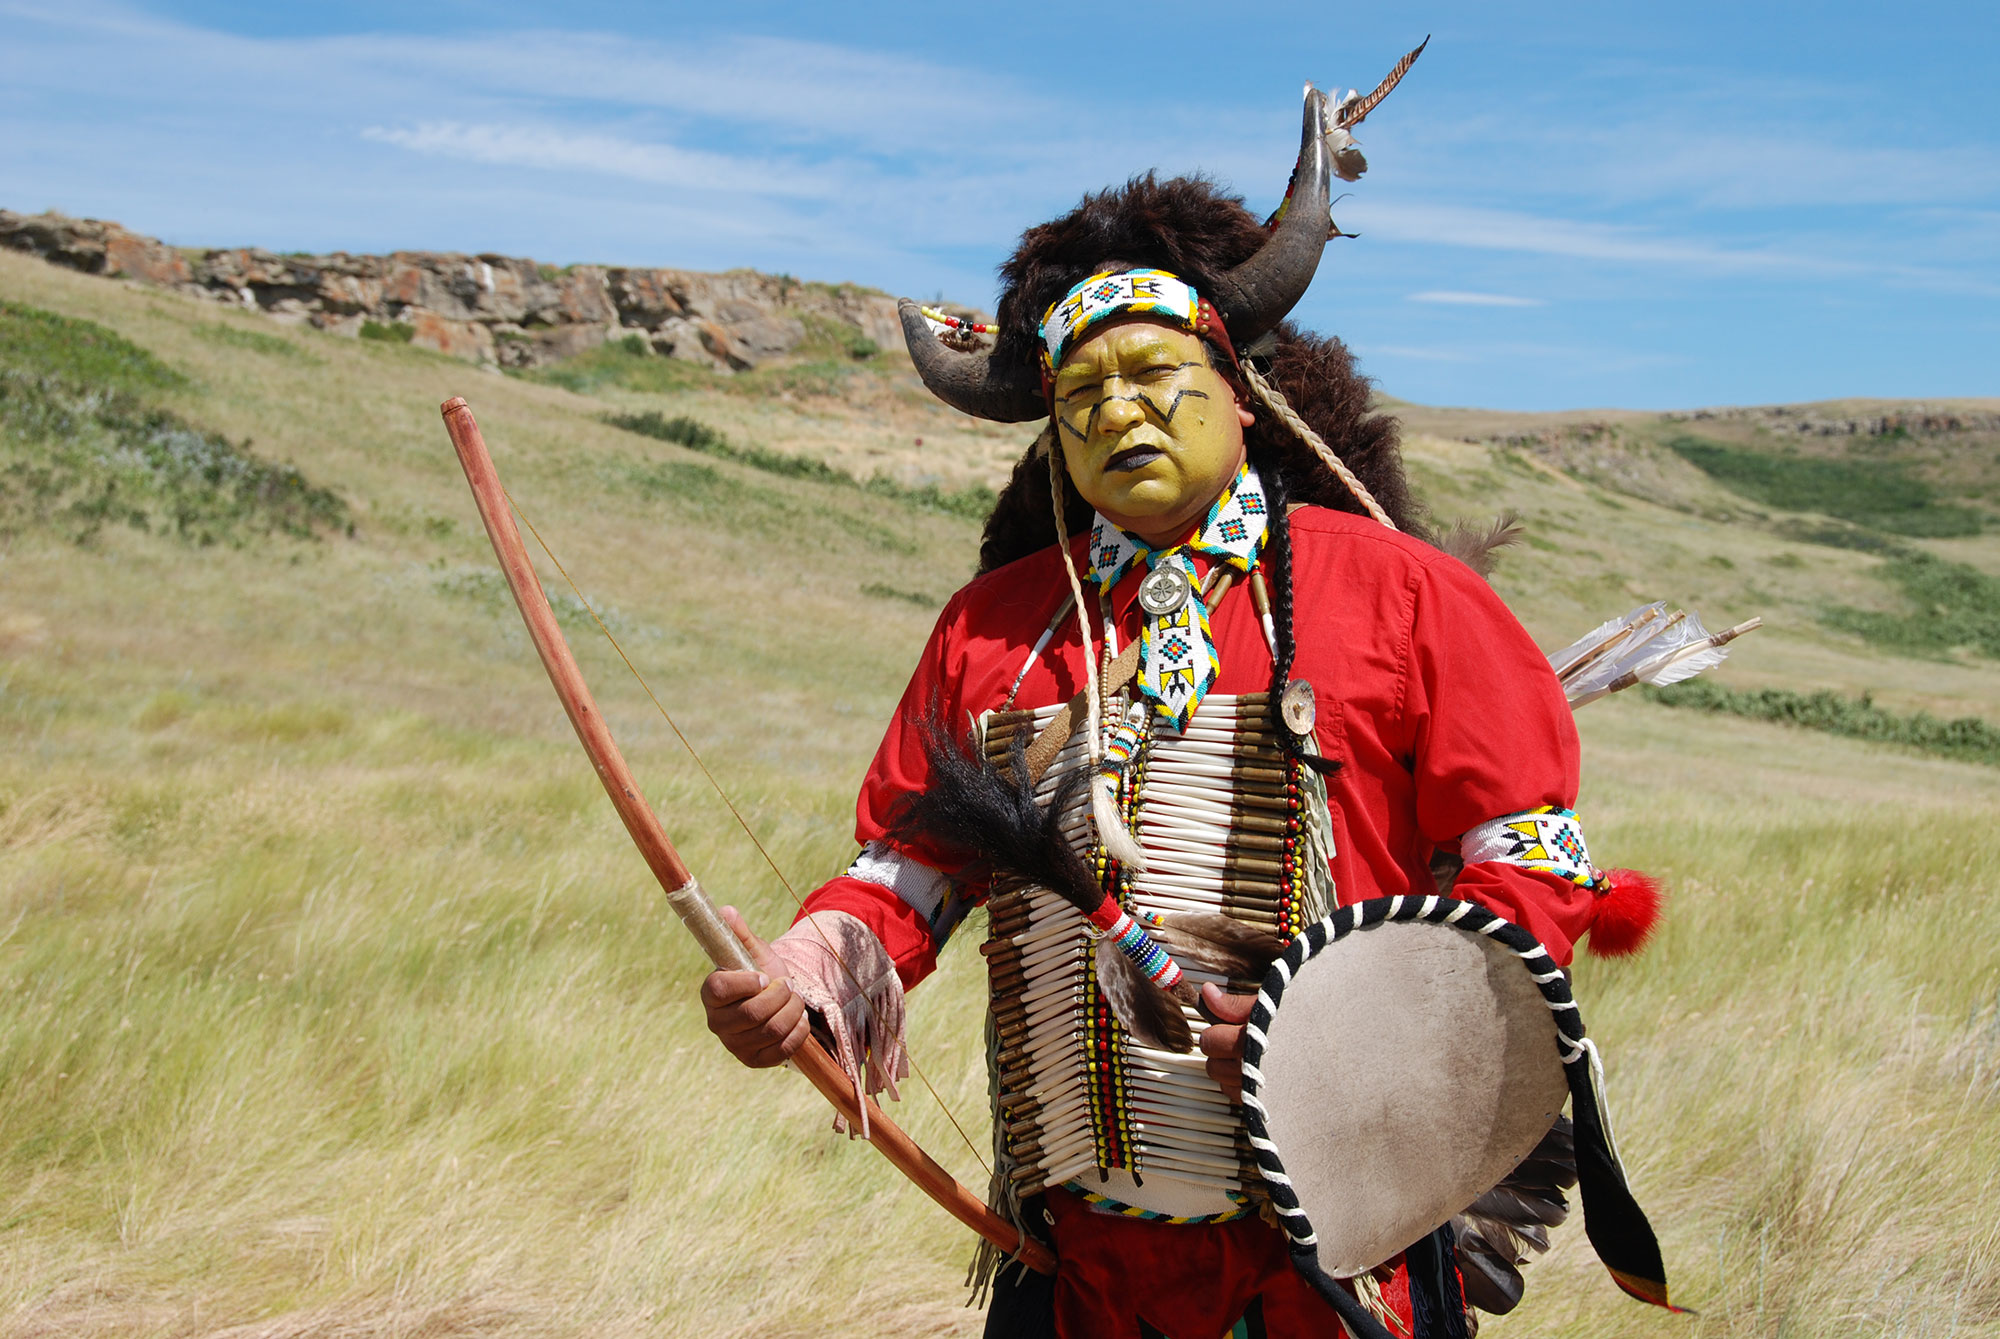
(388, 332)
(1882, 494)
(972, 502)
(876, 590)
(83, 449)
(1957, 605)
(256, 341)
(1967, 739)
(81, 354)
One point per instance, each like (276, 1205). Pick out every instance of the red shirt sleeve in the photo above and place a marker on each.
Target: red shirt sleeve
(900, 769)
(1493, 735)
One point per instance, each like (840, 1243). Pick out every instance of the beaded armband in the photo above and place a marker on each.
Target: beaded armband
(1546, 839)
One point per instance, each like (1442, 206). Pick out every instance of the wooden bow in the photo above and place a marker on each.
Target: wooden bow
(684, 894)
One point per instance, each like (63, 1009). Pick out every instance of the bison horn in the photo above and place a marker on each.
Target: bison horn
(1256, 295)
(972, 383)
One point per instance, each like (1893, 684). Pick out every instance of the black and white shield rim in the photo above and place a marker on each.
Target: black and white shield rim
(1437, 910)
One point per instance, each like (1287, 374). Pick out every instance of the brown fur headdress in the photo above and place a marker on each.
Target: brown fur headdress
(1193, 229)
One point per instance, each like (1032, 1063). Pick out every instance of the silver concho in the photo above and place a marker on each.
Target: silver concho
(1297, 707)
(1164, 590)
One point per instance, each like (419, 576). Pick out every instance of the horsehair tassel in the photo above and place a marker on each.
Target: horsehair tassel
(650, 837)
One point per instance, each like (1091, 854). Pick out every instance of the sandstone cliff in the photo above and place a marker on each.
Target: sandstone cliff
(487, 308)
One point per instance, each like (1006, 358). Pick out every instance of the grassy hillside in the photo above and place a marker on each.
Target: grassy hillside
(339, 1003)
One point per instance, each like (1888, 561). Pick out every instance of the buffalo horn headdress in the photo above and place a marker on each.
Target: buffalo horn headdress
(1251, 298)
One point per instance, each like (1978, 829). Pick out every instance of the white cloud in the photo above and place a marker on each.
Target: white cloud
(1510, 230)
(609, 155)
(1741, 167)
(1449, 298)
(1420, 355)
(1573, 360)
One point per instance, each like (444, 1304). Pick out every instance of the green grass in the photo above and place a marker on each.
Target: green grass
(337, 1001)
(81, 356)
(84, 447)
(971, 503)
(1967, 739)
(617, 365)
(824, 335)
(254, 341)
(1955, 606)
(1838, 535)
(388, 332)
(1881, 494)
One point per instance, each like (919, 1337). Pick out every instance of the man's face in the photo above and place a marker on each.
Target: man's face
(1150, 432)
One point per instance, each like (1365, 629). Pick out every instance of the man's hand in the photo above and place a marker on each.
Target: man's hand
(755, 1014)
(1223, 1042)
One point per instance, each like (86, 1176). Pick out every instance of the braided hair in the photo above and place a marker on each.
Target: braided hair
(1278, 556)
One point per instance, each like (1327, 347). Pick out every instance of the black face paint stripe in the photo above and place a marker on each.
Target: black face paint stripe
(1173, 408)
(1166, 416)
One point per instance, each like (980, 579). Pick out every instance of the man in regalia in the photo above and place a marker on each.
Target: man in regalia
(1206, 593)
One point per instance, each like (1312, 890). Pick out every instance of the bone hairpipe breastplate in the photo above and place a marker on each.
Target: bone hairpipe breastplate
(1227, 825)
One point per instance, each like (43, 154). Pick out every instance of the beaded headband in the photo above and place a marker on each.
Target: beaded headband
(1114, 293)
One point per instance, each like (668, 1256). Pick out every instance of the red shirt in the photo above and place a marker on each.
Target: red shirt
(1441, 710)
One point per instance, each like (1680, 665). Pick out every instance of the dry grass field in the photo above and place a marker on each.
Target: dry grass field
(337, 1003)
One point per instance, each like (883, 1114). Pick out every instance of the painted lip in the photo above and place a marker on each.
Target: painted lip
(1133, 457)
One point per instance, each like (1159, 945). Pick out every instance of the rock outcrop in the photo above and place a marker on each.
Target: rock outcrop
(1911, 420)
(490, 308)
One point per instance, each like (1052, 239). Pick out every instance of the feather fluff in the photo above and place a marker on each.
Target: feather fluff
(1478, 546)
(1152, 1016)
(1216, 943)
(1685, 665)
(1119, 843)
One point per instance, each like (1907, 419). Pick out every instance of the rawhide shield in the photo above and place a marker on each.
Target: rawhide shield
(1398, 1065)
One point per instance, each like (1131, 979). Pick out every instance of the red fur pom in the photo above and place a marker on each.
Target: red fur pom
(1627, 911)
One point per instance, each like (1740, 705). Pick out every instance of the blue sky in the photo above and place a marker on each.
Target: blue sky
(1568, 205)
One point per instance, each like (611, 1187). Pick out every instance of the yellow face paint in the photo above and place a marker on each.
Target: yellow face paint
(1150, 432)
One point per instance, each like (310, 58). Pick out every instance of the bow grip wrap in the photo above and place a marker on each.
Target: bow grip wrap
(717, 940)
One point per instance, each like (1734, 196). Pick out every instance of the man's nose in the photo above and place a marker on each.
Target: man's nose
(1118, 415)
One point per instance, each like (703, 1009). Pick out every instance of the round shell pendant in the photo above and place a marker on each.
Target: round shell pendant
(1164, 590)
(1297, 707)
